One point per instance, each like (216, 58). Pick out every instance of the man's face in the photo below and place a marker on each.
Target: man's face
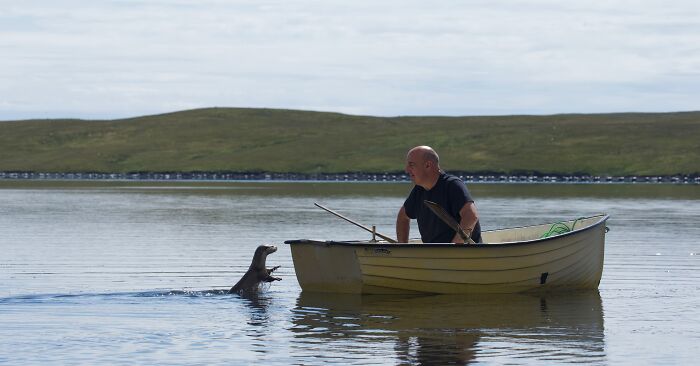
(416, 167)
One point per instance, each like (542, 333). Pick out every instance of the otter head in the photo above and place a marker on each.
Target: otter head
(265, 250)
(260, 254)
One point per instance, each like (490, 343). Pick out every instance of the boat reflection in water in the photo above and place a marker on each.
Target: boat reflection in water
(451, 329)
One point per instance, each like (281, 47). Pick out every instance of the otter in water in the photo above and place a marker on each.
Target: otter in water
(257, 272)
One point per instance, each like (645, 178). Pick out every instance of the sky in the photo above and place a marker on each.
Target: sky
(108, 59)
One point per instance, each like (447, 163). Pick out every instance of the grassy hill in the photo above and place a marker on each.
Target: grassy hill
(233, 139)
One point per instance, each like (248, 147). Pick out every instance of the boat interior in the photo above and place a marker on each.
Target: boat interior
(536, 232)
(529, 233)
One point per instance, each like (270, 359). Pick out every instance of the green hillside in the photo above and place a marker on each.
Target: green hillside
(233, 139)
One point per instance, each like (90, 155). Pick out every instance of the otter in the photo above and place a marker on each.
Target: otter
(257, 272)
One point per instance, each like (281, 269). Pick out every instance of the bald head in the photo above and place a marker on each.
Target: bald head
(423, 166)
(426, 153)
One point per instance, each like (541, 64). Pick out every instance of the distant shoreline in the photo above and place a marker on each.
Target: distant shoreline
(345, 177)
(256, 140)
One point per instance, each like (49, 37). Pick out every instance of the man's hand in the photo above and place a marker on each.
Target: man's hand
(458, 238)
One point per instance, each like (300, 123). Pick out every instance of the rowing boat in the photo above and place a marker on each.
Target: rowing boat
(513, 260)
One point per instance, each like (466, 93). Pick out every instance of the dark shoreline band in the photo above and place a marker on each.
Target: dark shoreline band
(345, 177)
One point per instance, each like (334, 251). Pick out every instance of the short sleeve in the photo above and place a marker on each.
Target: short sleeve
(459, 196)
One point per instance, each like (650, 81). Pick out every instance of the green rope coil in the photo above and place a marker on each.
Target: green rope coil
(559, 228)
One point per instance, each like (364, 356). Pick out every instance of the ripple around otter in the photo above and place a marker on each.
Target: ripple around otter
(121, 276)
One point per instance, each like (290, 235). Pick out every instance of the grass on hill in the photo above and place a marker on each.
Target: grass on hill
(239, 139)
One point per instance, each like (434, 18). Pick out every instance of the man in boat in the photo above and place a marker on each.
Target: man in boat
(448, 191)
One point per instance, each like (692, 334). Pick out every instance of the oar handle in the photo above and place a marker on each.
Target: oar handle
(390, 240)
(467, 239)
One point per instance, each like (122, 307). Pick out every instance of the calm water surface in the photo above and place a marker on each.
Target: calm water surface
(127, 273)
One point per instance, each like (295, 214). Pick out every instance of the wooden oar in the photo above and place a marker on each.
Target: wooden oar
(449, 220)
(390, 240)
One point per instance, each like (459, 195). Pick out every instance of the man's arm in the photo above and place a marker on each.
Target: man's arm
(403, 226)
(469, 218)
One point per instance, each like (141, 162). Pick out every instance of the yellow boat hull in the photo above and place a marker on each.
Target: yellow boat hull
(513, 260)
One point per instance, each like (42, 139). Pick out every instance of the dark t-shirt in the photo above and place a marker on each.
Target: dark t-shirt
(451, 194)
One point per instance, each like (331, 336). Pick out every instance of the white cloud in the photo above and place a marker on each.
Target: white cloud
(111, 59)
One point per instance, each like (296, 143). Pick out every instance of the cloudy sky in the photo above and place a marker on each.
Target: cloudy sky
(122, 58)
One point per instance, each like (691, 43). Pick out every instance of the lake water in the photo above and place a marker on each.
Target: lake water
(136, 273)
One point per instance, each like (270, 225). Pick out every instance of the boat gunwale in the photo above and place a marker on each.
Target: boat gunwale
(603, 219)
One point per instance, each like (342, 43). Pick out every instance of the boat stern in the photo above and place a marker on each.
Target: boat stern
(324, 268)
